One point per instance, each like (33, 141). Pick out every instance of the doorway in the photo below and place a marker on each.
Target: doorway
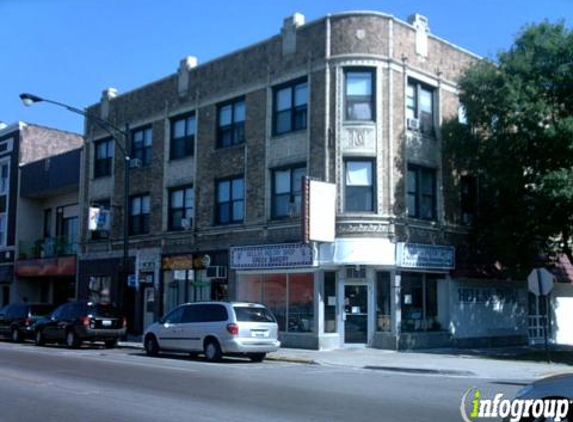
(355, 315)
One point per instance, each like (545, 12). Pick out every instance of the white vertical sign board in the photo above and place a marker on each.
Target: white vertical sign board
(322, 211)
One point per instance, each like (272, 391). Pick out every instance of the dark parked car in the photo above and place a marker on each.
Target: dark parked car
(75, 322)
(17, 320)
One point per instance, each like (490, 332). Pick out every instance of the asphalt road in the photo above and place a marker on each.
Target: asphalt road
(94, 384)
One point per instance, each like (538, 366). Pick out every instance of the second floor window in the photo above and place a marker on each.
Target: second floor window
(231, 123)
(287, 192)
(359, 95)
(183, 131)
(290, 104)
(421, 194)
(141, 145)
(359, 186)
(230, 201)
(181, 203)
(103, 158)
(420, 106)
(139, 214)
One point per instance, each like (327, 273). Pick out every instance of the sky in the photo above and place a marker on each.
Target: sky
(71, 50)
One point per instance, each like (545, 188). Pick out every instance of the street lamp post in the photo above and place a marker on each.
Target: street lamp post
(112, 130)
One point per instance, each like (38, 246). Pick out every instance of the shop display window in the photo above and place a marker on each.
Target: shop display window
(290, 297)
(419, 303)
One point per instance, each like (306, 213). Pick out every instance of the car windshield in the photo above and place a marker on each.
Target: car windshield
(41, 310)
(253, 314)
(102, 310)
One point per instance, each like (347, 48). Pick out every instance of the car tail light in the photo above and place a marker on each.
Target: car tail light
(233, 329)
(86, 321)
(28, 322)
(124, 322)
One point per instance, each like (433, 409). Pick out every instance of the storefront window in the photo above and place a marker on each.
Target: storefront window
(419, 302)
(383, 313)
(290, 297)
(274, 295)
(330, 302)
(301, 303)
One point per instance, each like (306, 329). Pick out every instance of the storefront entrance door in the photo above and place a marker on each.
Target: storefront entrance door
(356, 313)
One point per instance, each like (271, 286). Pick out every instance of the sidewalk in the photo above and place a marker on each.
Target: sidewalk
(445, 362)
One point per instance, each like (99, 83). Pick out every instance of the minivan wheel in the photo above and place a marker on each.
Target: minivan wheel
(257, 357)
(39, 338)
(151, 346)
(212, 351)
(72, 340)
(16, 335)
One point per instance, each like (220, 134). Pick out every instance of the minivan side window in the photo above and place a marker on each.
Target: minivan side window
(215, 313)
(175, 316)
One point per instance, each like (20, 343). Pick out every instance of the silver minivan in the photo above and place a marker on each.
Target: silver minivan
(216, 329)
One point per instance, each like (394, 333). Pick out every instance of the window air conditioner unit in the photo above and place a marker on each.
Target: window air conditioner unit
(413, 124)
(135, 163)
(217, 271)
(186, 223)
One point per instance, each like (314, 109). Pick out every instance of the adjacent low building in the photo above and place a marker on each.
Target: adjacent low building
(21, 144)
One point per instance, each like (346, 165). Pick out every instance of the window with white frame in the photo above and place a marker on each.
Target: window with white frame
(359, 95)
(359, 185)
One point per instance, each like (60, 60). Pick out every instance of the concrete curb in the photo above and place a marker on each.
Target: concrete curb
(422, 371)
(292, 360)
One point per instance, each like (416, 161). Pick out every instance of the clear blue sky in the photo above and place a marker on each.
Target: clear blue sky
(70, 50)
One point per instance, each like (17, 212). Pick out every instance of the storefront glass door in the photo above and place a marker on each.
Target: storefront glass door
(356, 313)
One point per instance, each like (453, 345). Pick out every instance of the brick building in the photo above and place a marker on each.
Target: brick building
(218, 152)
(22, 144)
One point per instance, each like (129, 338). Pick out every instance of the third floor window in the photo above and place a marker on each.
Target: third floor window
(141, 145)
(183, 130)
(103, 158)
(420, 106)
(359, 95)
(290, 103)
(231, 123)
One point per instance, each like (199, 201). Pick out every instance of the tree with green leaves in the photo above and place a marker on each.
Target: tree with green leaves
(518, 141)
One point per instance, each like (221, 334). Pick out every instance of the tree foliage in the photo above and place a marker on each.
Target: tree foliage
(518, 140)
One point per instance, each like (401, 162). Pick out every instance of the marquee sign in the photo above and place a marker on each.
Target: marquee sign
(287, 255)
(421, 256)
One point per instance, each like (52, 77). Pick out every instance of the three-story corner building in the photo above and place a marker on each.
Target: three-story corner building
(218, 152)
(24, 193)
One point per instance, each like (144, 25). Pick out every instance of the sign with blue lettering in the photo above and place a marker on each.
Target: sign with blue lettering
(421, 256)
(288, 255)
